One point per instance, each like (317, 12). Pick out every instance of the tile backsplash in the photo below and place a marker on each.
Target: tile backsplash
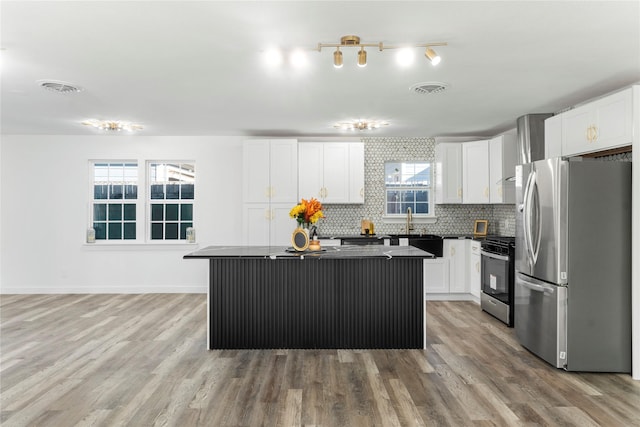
(452, 219)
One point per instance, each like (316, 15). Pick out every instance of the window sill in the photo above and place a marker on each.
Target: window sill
(402, 219)
(139, 245)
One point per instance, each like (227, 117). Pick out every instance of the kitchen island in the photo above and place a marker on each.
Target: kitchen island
(340, 297)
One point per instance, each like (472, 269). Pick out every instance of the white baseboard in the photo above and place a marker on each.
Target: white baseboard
(196, 289)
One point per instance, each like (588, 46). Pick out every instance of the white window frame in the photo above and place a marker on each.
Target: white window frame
(142, 202)
(111, 165)
(150, 221)
(416, 217)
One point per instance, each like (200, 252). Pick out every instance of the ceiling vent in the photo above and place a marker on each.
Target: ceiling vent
(59, 86)
(427, 88)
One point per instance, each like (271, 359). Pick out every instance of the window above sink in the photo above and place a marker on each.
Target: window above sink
(408, 185)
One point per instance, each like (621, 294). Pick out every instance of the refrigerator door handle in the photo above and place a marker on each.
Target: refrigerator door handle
(547, 289)
(526, 217)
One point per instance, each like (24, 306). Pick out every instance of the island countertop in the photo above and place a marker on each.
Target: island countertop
(330, 252)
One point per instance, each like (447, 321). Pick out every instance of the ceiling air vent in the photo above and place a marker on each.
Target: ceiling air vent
(427, 88)
(59, 86)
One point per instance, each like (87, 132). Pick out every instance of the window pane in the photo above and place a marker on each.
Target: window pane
(183, 229)
(422, 196)
(171, 231)
(173, 191)
(157, 191)
(157, 212)
(187, 191)
(100, 191)
(130, 191)
(171, 212)
(129, 212)
(186, 212)
(156, 231)
(115, 212)
(116, 192)
(129, 230)
(115, 231)
(100, 212)
(422, 208)
(101, 230)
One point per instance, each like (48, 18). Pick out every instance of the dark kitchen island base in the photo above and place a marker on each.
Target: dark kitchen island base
(331, 302)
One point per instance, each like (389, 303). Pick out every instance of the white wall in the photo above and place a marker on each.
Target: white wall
(44, 199)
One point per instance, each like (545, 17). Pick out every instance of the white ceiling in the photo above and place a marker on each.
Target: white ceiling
(195, 68)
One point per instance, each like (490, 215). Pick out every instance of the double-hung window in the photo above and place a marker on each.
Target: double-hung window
(113, 206)
(408, 185)
(171, 196)
(129, 205)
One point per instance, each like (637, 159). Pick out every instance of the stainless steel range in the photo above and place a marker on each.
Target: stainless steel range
(497, 269)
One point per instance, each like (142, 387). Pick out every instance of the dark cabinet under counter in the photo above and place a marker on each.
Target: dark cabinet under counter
(353, 297)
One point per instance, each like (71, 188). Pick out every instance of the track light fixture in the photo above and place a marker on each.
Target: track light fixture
(337, 58)
(432, 56)
(354, 41)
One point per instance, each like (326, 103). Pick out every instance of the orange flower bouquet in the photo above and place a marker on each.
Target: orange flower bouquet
(307, 212)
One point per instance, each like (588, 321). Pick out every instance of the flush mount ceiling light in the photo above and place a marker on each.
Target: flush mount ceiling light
(59, 86)
(361, 125)
(112, 125)
(354, 41)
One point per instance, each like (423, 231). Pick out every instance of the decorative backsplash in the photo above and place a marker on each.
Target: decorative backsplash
(452, 219)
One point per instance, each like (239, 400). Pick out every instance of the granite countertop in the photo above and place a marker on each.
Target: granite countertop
(332, 252)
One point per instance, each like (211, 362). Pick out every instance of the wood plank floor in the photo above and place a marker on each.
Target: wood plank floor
(140, 360)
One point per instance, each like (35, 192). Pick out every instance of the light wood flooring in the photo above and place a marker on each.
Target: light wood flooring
(140, 360)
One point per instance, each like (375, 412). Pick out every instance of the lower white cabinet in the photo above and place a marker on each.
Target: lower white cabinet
(267, 224)
(456, 251)
(473, 267)
(436, 276)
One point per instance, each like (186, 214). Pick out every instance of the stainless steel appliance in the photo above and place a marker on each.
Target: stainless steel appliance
(573, 263)
(530, 137)
(497, 277)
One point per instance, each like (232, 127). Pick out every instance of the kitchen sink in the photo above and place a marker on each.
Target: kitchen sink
(431, 243)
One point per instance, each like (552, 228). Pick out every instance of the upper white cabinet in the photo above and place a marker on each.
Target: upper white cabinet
(475, 175)
(553, 137)
(448, 173)
(502, 168)
(600, 125)
(332, 172)
(270, 171)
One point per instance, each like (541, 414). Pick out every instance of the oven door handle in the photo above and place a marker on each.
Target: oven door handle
(495, 256)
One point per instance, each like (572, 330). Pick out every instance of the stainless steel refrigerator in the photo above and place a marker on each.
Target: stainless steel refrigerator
(573, 263)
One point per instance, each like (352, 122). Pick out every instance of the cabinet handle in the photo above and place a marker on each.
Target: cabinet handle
(267, 214)
(486, 191)
(326, 192)
(267, 192)
(452, 251)
(478, 267)
(595, 133)
(459, 192)
(362, 192)
(272, 192)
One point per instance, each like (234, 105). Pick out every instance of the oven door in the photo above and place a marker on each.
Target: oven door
(495, 275)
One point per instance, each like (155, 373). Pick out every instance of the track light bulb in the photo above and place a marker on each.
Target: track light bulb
(337, 58)
(362, 58)
(432, 56)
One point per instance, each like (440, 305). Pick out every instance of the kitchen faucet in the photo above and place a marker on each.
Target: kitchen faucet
(409, 217)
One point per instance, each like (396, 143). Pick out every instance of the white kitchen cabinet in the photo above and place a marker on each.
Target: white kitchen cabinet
(331, 172)
(474, 276)
(270, 171)
(455, 251)
(603, 124)
(553, 137)
(267, 224)
(436, 276)
(448, 173)
(502, 168)
(270, 190)
(475, 175)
